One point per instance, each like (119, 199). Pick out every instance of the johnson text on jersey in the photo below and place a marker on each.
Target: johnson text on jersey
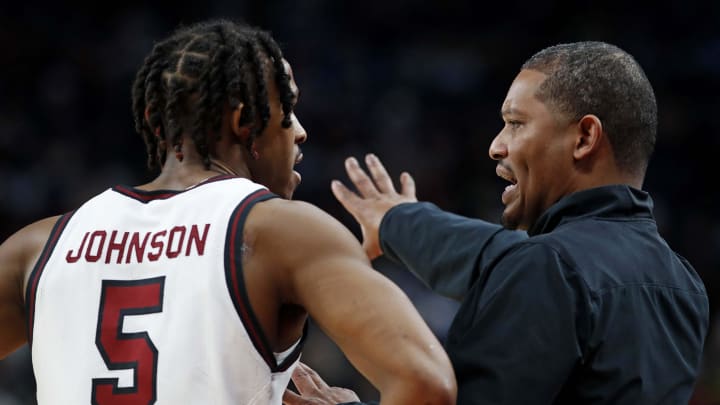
(135, 247)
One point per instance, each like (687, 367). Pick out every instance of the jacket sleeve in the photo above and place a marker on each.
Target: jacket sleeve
(444, 250)
(516, 338)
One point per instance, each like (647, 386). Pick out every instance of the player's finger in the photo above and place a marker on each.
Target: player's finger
(317, 380)
(379, 174)
(407, 185)
(360, 179)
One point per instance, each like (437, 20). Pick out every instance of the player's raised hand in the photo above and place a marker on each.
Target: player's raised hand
(314, 391)
(376, 196)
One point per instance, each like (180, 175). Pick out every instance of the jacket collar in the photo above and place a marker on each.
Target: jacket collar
(616, 201)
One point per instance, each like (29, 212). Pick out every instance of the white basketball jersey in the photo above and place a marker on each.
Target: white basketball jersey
(139, 298)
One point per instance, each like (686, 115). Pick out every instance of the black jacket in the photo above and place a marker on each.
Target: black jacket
(591, 306)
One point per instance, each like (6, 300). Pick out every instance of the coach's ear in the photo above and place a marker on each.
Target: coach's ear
(242, 131)
(589, 137)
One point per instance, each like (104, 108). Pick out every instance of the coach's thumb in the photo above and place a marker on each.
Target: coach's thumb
(407, 186)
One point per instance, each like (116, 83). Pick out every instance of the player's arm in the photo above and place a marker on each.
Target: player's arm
(323, 269)
(17, 255)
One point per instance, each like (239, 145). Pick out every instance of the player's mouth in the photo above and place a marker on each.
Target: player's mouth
(506, 174)
(298, 159)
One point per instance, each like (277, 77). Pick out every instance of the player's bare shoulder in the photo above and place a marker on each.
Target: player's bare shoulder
(21, 250)
(297, 228)
(296, 242)
(18, 255)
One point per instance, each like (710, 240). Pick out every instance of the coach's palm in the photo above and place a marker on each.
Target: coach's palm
(377, 195)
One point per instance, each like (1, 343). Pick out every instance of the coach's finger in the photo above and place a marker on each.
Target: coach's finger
(348, 199)
(314, 376)
(379, 174)
(304, 381)
(360, 179)
(291, 398)
(407, 186)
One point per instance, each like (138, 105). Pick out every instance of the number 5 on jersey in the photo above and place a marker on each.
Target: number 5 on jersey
(122, 351)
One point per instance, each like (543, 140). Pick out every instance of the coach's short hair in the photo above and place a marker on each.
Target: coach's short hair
(602, 79)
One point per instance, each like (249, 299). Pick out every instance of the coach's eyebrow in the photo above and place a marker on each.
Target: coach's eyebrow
(510, 111)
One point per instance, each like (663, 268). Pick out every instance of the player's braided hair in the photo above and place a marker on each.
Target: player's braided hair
(187, 78)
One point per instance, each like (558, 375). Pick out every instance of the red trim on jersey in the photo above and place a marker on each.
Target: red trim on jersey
(217, 178)
(145, 196)
(239, 294)
(156, 195)
(31, 292)
(295, 354)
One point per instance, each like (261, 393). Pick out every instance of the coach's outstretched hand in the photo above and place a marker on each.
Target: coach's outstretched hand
(376, 197)
(314, 391)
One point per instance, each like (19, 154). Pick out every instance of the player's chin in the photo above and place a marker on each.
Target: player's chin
(288, 195)
(289, 191)
(293, 184)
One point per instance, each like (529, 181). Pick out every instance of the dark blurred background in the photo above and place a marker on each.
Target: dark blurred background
(419, 83)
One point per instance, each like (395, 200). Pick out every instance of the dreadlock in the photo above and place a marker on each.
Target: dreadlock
(193, 73)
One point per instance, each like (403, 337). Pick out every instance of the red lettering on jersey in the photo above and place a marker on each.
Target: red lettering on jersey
(72, 259)
(89, 257)
(158, 245)
(120, 247)
(172, 243)
(199, 241)
(137, 247)
(170, 253)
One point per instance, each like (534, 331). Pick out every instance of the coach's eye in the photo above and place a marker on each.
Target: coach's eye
(514, 124)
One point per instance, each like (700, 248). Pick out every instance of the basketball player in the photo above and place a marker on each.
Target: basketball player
(195, 288)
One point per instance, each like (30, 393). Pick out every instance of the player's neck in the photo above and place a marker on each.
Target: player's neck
(176, 175)
(218, 165)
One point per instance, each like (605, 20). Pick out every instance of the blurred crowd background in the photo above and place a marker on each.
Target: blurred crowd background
(419, 83)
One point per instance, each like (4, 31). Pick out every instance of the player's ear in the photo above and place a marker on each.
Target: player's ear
(240, 130)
